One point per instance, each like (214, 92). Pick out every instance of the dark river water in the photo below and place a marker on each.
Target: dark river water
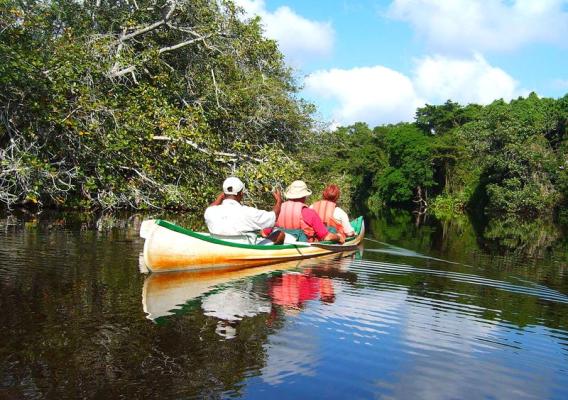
(437, 311)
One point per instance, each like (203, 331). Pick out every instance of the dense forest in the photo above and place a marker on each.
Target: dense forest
(503, 159)
(151, 104)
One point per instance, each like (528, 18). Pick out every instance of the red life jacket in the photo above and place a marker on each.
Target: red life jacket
(290, 217)
(325, 209)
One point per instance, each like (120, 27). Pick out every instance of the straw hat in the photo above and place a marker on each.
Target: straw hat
(297, 190)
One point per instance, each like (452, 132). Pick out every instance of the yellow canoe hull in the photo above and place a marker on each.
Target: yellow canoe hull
(169, 247)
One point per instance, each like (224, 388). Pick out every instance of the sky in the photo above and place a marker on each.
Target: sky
(376, 61)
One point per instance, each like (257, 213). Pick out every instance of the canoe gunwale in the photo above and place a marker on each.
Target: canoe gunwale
(197, 235)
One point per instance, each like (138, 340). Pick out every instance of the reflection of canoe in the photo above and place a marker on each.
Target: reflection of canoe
(169, 247)
(163, 294)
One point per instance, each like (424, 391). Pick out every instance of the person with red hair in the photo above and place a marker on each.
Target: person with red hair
(330, 214)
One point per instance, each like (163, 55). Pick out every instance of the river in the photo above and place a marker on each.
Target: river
(453, 310)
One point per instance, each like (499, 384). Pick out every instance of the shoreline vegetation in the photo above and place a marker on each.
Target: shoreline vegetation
(149, 106)
(499, 160)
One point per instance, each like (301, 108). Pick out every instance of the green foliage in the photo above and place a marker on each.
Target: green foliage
(501, 159)
(410, 165)
(276, 172)
(440, 120)
(146, 106)
(349, 157)
(383, 166)
(518, 162)
(446, 207)
(153, 105)
(530, 237)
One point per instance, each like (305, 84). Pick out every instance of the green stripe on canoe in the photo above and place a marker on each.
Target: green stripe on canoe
(188, 232)
(356, 223)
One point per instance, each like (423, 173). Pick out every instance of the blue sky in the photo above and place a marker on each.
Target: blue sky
(378, 60)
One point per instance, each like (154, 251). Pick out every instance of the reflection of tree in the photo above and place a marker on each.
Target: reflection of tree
(392, 225)
(101, 222)
(73, 326)
(480, 300)
(452, 238)
(459, 237)
(65, 342)
(530, 237)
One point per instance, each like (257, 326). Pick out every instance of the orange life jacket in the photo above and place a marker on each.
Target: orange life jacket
(325, 209)
(290, 217)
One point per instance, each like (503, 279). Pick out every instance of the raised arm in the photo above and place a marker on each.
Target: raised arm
(218, 200)
(277, 202)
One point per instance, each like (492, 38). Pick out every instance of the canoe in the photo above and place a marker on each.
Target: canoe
(169, 247)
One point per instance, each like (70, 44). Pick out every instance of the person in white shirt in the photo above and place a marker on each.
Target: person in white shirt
(227, 216)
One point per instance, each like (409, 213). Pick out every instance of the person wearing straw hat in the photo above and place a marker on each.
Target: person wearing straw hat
(297, 219)
(227, 217)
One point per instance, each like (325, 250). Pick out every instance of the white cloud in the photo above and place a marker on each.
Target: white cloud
(375, 95)
(299, 38)
(484, 25)
(379, 95)
(472, 80)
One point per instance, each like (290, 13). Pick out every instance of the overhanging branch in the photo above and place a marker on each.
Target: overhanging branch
(231, 156)
(182, 44)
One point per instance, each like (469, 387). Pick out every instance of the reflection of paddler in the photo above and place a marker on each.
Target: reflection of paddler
(234, 303)
(294, 289)
(231, 305)
(327, 293)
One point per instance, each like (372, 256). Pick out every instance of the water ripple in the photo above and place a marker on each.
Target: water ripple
(539, 291)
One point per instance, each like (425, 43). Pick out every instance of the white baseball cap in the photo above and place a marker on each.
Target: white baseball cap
(233, 185)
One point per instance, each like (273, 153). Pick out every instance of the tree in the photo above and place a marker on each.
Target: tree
(509, 142)
(139, 104)
(439, 120)
(410, 172)
(349, 156)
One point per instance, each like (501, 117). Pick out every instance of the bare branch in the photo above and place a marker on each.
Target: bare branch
(231, 156)
(182, 44)
(148, 28)
(115, 74)
(141, 175)
(216, 88)
(124, 37)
